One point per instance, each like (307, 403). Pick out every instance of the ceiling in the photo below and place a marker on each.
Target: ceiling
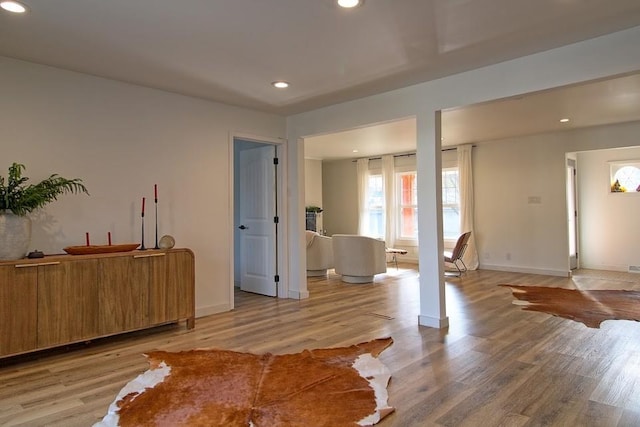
(610, 101)
(231, 50)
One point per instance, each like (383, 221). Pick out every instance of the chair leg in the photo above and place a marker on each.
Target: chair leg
(460, 271)
(453, 273)
(465, 265)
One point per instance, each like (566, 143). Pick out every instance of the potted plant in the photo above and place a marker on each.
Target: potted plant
(313, 209)
(17, 199)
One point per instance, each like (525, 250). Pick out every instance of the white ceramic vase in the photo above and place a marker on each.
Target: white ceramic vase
(15, 236)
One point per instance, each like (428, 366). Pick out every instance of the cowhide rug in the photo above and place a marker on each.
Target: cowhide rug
(325, 387)
(588, 307)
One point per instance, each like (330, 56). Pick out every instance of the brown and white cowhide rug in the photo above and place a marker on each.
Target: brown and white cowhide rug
(589, 307)
(324, 387)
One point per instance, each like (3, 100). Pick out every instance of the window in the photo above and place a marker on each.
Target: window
(407, 203)
(625, 176)
(450, 203)
(408, 206)
(375, 206)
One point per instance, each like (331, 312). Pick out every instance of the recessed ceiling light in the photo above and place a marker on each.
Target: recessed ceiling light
(13, 6)
(349, 3)
(280, 84)
(564, 120)
(355, 151)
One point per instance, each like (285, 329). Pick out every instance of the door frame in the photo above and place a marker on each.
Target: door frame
(281, 200)
(572, 192)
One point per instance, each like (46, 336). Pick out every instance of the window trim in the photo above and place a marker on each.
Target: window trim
(406, 241)
(457, 170)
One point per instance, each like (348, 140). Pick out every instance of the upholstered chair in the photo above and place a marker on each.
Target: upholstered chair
(319, 254)
(358, 258)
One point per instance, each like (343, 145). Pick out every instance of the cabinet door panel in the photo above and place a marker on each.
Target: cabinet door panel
(159, 310)
(180, 283)
(18, 305)
(123, 287)
(67, 302)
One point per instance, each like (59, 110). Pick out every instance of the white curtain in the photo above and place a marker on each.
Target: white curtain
(362, 168)
(390, 215)
(466, 204)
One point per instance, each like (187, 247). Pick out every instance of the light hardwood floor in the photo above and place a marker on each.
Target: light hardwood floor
(496, 365)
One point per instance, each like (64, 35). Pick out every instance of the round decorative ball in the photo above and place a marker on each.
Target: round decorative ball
(166, 242)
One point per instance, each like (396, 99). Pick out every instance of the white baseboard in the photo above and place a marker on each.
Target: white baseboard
(298, 295)
(407, 259)
(527, 270)
(605, 267)
(212, 309)
(433, 322)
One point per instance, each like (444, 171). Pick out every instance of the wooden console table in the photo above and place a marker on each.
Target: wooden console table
(63, 299)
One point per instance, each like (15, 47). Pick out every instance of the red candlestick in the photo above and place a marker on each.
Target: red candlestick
(143, 206)
(155, 191)
(86, 235)
(109, 237)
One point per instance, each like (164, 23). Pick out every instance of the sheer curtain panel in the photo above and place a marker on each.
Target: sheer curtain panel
(362, 168)
(466, 203)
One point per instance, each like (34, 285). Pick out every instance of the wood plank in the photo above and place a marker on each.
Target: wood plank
(494, 366)
(181, 275)
(160, 296)
(123, 294)
(18, 305)
(67, 302)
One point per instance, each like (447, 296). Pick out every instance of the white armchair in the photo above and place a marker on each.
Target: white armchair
(358, 258)
(319, 254)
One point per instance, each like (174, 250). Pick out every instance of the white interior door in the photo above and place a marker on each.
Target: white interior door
(572, 214)
(257, 225)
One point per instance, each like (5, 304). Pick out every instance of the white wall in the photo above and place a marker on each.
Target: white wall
(609, 222)
(121, 139)
(600, 57)
(511, 233)
(339, 183)
(516, 235)
(313, 188)
(341, 195)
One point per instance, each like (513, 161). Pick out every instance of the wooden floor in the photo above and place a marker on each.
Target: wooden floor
(496, 365)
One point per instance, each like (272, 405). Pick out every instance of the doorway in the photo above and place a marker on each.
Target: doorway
(572, 213)
(255, 216)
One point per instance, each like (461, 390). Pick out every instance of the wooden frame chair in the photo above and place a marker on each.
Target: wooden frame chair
(455, 256)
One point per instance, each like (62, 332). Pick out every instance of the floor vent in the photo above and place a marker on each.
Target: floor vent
(634, 269)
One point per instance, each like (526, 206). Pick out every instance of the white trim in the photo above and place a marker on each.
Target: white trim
(433, 322)
(608, 267)
(293, 294)
(526, 270)
(283, 259)
(212, 309)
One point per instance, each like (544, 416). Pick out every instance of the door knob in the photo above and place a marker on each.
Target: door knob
(243, 227)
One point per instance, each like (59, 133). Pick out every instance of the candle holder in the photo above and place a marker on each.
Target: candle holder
(156, 204)
(142, 248)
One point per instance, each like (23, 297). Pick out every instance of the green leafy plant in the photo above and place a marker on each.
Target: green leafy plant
(18, 197)
(314, 209)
